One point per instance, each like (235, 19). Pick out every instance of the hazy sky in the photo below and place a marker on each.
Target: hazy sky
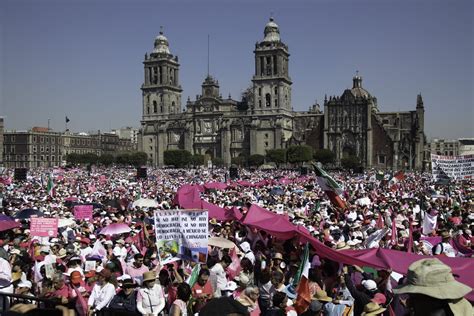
(84, 58)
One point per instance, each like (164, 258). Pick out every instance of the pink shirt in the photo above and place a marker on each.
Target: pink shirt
(136, 273)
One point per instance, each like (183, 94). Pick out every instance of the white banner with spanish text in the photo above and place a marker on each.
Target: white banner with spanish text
(181, 234)
(452, 167)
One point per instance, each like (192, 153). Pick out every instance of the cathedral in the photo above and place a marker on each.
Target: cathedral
(217, 127)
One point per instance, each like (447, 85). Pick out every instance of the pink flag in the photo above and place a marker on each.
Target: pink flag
(234, 268)
(394, 238)
(81, 304)
(380, 222)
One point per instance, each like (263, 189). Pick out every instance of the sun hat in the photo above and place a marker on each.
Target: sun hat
(62, 253)
(128, 284)
(242, 279)
(245, 246)
(90, 274)
(230, 286)
(379, 298)
(277, 256)
(15, 251)
(25, 283)
(120, 241)
(373, 309)
(432, 278)
(445, 234)
(369, 285)
(322, 296)
(149, 276)
(342, 246)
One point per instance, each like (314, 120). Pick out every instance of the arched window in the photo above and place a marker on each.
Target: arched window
(268, 100)
(155, 106)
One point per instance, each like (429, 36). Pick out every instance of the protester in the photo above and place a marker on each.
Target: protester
(179, 306)
(433, 290)
(416, 215)
(125, 301)
(150, 298)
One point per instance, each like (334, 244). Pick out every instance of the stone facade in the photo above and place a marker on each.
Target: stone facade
(351, 124)
(41, 147)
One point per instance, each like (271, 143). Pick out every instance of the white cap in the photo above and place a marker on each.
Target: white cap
(25, 283)
(230, 286)
(369, 285)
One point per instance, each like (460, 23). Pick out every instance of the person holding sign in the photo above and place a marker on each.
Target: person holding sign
(202, 290)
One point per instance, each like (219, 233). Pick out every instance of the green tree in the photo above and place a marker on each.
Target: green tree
(256, 160)
(177, 157)
(106, 159)
(350, 162)
(138, 158)
(324, 156)
(72, 158)
(240, 161)
(218, 161)
(299, 154)
(197, 160)
(90, 158)
(278, 156)
(123, 159)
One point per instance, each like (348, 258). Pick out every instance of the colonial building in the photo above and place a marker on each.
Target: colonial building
(351, 124)
(41, 147)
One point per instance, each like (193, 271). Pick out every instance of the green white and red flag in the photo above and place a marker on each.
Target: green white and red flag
(330, 186)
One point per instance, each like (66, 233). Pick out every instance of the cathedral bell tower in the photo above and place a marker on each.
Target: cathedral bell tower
(271, 82)
(161, 90)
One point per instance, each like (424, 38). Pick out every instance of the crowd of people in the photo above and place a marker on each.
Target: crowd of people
(87, 272)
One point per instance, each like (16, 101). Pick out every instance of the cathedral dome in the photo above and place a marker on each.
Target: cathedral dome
(272, 33)
(357, 90)
(161, 44)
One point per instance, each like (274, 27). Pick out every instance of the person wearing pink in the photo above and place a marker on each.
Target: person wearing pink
(137, 269)
(249, 298)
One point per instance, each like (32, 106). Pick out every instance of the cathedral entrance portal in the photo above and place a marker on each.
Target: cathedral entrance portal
(347, 152)
(207, 157)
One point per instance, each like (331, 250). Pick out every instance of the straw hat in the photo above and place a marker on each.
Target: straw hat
(277, 256)
(433, 278)
(62, 253)
(322, 296)
(149, 276)
(373, 309)
(342, 246)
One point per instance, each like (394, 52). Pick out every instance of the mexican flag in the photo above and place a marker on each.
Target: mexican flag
(50, 186)
(332, 189)
(397, 177)
(301, 282)
(194, 275)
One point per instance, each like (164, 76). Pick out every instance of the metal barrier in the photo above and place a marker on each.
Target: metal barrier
(7, 300)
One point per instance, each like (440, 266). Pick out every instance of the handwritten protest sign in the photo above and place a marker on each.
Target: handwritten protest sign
(181, 234)
(83, 211)
(452, 167)
(44, 227)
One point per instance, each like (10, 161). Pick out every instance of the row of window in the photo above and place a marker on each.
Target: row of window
(34, 158)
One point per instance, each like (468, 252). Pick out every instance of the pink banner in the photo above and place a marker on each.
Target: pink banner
(279, 227)
(44, 227)
(83, 211)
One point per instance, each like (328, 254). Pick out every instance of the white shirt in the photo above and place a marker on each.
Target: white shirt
(120, 253)
(446, 249)
(151, 301)
(101, 296)
(221, 277)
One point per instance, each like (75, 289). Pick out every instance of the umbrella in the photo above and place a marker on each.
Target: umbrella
(5, 218)
(223, 306)
(6, 225)
(27, 213)
(221, 242)
(145, 203)
(277, 191)
(115, 229)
